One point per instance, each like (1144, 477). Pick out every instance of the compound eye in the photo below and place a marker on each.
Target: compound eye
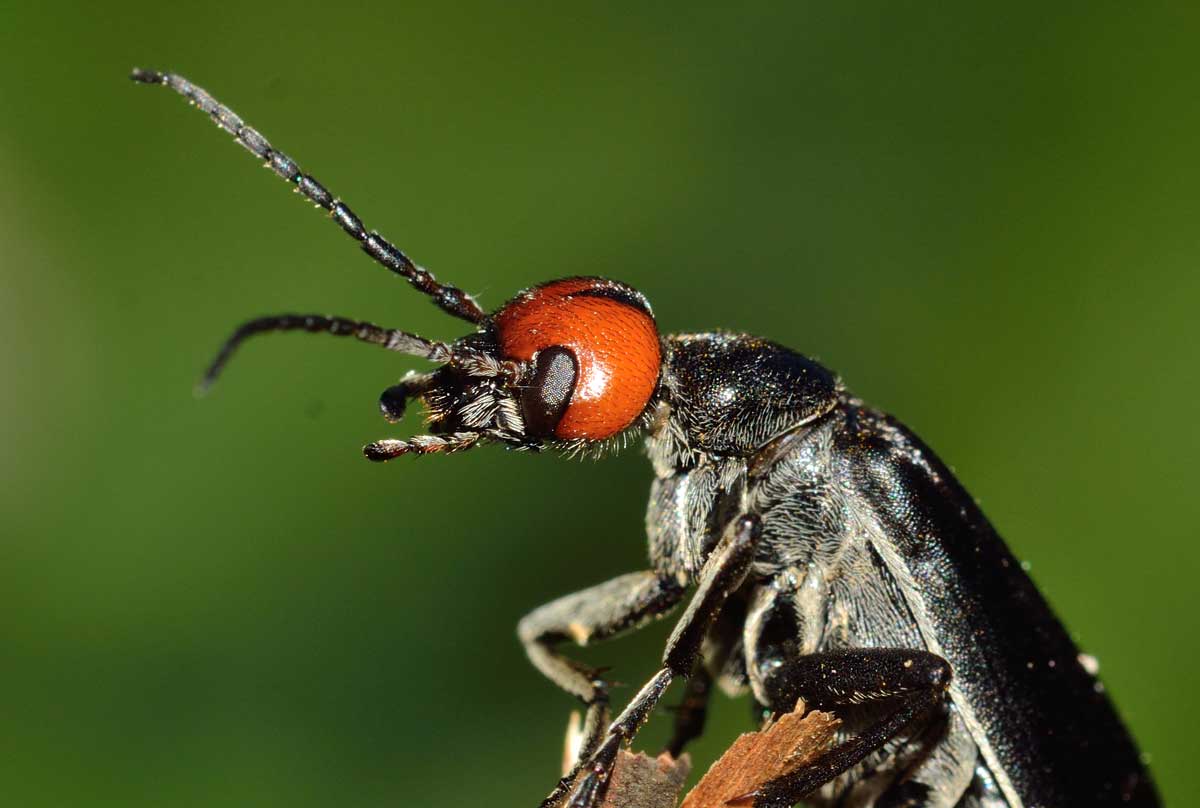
(546, 398)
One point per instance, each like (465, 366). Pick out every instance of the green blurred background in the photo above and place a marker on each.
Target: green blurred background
(984, 218)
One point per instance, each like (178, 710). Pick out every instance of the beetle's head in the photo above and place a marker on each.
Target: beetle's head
(572, 364)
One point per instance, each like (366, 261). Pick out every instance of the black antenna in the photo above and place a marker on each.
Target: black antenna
(391, 339)
(449, 298)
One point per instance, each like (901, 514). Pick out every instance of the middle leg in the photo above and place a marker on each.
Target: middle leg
(913, 682)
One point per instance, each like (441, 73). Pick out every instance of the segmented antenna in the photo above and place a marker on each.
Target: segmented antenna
(449, 298)
(391, 339)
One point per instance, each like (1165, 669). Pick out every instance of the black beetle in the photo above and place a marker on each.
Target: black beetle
(834, 558)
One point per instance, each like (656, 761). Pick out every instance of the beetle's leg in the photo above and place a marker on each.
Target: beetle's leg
(723, 573)
(945, 755)
(692, 711)
(592, 614)
(915, 680)
(721, 665)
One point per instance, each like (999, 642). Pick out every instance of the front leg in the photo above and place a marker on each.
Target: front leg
(722, 574)
(597, 613)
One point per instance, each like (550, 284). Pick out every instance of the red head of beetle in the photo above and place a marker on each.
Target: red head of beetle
(600, 332)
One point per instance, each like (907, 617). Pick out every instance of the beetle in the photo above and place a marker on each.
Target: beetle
(831, 556)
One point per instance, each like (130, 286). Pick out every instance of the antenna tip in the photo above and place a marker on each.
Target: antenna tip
(203, 386)
(147, 76)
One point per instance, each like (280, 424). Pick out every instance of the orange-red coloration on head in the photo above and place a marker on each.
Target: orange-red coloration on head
(615, 344)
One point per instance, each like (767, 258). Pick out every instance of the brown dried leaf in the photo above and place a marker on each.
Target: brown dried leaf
(756, 757)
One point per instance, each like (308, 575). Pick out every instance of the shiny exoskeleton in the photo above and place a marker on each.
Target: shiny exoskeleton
(830, 556)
